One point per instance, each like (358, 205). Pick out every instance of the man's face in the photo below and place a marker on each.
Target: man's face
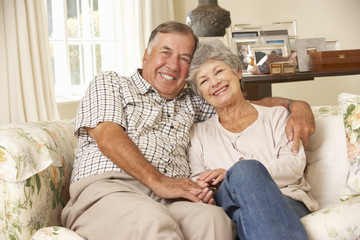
(166, 66)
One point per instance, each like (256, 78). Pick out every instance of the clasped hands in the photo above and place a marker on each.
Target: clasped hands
(210, 181)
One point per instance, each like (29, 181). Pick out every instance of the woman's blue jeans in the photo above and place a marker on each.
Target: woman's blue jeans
(256, 205)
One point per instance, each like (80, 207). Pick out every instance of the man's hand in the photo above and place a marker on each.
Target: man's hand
(301, 124)
(179, 188)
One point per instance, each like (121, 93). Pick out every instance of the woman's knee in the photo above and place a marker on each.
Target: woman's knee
(247, 168)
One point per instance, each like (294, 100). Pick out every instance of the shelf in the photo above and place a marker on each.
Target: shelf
(259, 86)
(299, 76)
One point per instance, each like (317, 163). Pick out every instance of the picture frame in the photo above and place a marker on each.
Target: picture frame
(290, 26)
(245, 34)
(333, 45)
(260, 51)
(240, 47)
(277, 39)
(304, 46)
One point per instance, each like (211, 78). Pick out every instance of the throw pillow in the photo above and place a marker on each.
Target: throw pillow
(350, 107)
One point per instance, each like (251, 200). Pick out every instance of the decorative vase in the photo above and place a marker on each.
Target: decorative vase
(208, 19)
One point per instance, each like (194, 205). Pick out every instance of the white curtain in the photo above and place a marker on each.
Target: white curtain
(26, 80)
(132, 23)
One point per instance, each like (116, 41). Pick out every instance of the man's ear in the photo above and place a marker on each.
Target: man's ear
(145, 56)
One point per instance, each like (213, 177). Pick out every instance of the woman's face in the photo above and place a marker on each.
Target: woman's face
(218, 84)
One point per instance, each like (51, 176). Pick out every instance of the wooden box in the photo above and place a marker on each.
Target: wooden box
(275, 68)
(334, 60)
(282, 68)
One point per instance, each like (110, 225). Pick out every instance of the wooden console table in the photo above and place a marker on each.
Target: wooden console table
(259, 86)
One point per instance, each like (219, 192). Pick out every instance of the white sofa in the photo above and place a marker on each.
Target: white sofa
(36, 162)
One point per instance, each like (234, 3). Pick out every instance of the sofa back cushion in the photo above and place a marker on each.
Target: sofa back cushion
(326, 156)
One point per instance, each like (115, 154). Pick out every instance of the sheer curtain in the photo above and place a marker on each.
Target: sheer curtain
(132, 23)
(26, 82)
(26, 73)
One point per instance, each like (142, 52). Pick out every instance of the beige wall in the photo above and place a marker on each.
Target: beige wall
(332, 19)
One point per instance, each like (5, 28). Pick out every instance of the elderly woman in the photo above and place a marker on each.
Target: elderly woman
(243, 150)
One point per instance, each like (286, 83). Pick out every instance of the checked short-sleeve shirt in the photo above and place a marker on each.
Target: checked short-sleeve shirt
(159, 127)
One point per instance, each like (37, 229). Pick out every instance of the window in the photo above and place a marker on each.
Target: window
(87, 37)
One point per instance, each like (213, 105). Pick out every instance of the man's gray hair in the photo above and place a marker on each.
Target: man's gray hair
(171, 27)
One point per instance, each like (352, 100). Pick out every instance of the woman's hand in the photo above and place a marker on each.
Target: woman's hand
(213, 177)
(210, 180)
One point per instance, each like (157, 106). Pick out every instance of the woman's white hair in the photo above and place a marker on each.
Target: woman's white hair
(211, 50)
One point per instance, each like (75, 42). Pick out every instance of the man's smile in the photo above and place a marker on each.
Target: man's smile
(167, 77)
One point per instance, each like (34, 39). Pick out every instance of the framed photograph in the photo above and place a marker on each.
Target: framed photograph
(304, 46)
(245, 34)
(260, 51)
(290, 26)
(240, 47)
(333, 45)
(277, 39)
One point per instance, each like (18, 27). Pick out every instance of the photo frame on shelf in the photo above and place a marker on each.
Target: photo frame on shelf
(260, 51)
(277, 39)
(304, 46)
(290, 26)
(245, 34)
(333, 45)
(240, 47)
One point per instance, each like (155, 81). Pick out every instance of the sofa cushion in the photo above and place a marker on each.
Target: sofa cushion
(339, 221)
(28, 148)
(326, 156)
(350, 107)
(56, 233)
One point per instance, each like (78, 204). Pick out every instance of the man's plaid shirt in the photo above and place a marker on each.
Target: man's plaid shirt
(159, 127)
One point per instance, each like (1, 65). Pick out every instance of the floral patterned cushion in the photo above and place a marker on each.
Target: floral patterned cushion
(35, 167)
(28, 148)
(350, 106)
(56, 233)
(338, 222)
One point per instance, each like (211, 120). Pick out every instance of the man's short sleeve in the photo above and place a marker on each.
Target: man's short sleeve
(101, 103)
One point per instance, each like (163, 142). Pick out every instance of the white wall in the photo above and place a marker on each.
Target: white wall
(332, 19)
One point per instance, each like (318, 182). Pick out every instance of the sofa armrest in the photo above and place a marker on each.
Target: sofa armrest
(43, 154)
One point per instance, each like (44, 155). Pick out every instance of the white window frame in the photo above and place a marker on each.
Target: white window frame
(110, 41)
